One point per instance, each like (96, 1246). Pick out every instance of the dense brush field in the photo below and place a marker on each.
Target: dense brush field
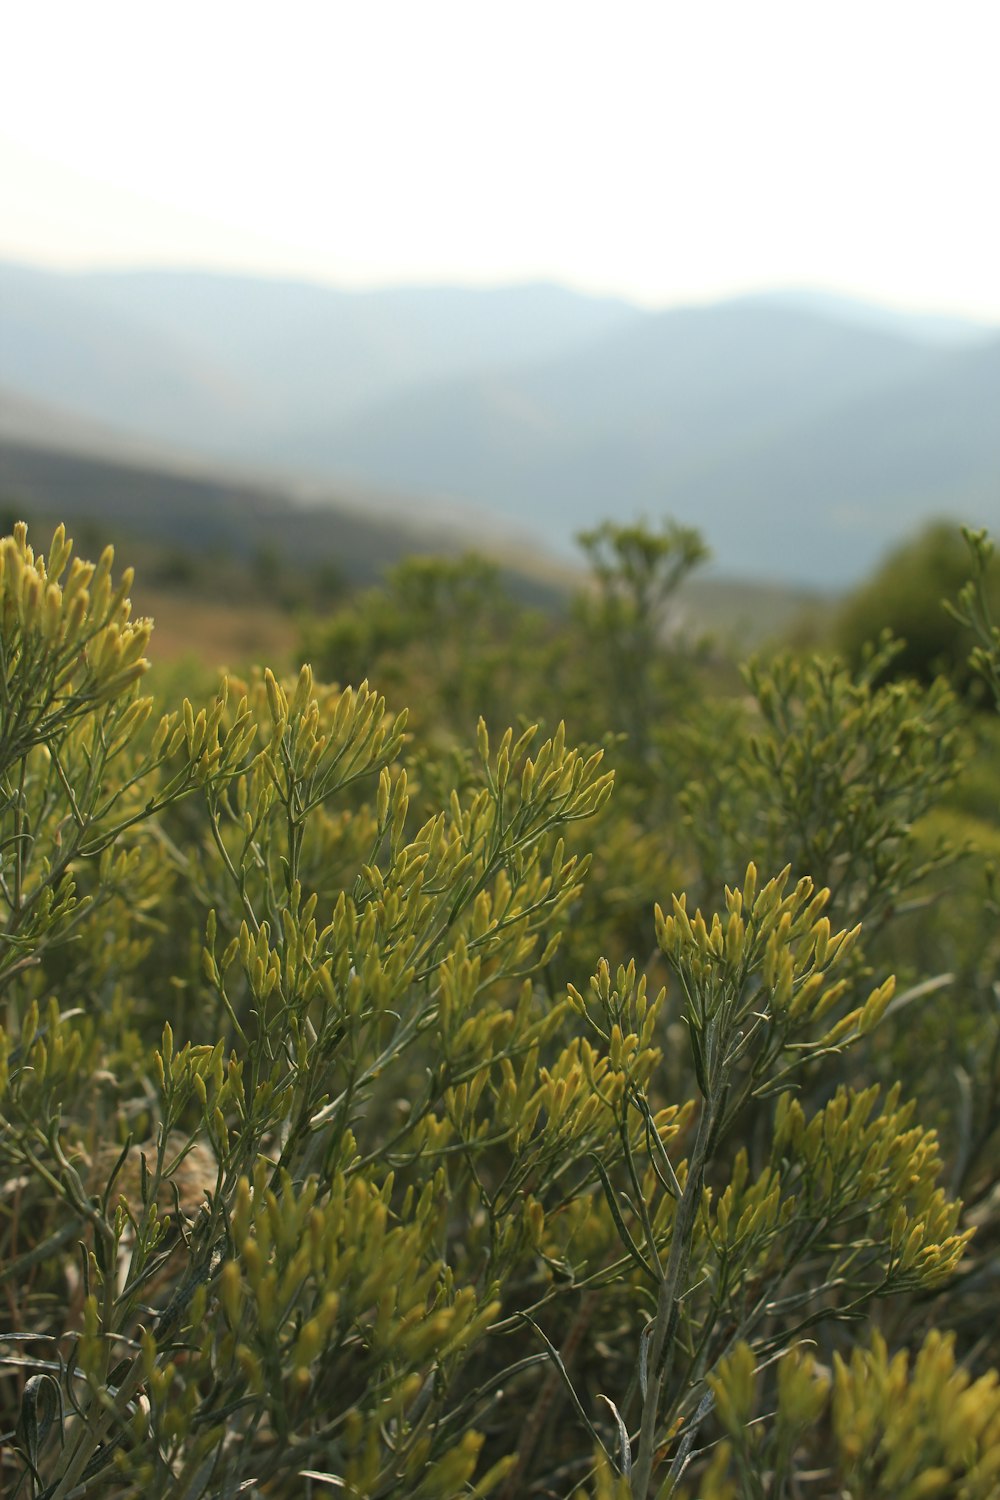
(522, 1054)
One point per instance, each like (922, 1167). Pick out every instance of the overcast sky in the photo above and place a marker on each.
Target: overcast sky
(668, 152)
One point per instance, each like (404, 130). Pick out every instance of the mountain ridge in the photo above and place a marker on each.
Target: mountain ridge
(812, 435)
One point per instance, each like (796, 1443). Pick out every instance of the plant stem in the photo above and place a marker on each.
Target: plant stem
(667, 1303)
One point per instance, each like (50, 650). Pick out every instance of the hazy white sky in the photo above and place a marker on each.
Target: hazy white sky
(667, 151)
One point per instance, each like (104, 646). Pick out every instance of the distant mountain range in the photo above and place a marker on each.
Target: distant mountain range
(802, 433)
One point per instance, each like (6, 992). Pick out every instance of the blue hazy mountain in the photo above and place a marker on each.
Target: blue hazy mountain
(942, 329)
(801, 446)
(802, 432)
(220, 360)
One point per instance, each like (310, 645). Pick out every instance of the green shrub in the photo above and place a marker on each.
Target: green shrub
(907, 597)
(326, 1172)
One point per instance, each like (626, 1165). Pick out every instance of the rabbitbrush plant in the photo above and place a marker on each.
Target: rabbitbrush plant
(317, 1182)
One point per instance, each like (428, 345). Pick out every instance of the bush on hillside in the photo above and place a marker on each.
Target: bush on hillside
(328, 1170)
(907, 597)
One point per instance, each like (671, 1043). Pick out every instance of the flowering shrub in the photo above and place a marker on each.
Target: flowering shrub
(328, 1171)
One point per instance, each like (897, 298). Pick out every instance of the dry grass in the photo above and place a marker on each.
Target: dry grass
(218, 634)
